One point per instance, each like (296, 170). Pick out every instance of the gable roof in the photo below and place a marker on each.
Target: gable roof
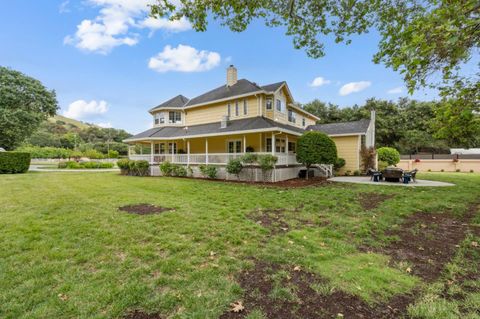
(176, 102)
(273, 87)
(342, 128)
(247, 124)
(242, 86)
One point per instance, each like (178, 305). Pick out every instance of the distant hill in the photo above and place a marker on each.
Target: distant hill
(62, 120)
(61, 131)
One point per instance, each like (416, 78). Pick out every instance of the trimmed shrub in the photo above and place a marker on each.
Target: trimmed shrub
(249, 158)
(209, 171)
(382, 165)
(93, 154)
(14, 162)
(123, 164)
(84, 165)
(234, 166)
(113, 154)
(316, 148)
(166, 168)
(76, 155)
(249, 149)
(389, 155)
(339, 163)
(457, 170)
(142, 167)
(179, 170)
(356, 173)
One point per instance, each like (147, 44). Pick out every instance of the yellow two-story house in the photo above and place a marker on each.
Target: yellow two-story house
(238, 117)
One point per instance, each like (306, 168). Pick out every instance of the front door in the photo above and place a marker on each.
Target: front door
(172, 148)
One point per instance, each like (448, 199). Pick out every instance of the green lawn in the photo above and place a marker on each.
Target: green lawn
(67, 252)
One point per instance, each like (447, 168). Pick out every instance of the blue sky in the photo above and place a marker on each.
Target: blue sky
(109, 64)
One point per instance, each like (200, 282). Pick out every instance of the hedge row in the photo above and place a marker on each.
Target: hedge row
(58, 152)
(14, 162)
(84, 165)
(134, 168)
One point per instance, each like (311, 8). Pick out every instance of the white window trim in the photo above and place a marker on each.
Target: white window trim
(233, 140)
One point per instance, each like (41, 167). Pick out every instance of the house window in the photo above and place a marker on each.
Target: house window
(229, 111)
(269, 144)
(245, 107)
(156, 149)
(280, 145)
(172, 148)
(292, 147)
(303, 122)
(237, 112)
(234, 146)
(174, 117)
(291, 116)
(162, 148)
(269, 104)
(161, 118)
(156, 121)
(279, 105)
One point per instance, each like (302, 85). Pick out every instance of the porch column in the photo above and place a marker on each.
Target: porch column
(141, 149)
(206, 151)
(151, 152)
(286, 148)
(188, 153)
(244, 144)
(273, 143)
(260, 150)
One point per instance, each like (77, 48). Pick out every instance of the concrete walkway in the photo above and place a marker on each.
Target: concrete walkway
(366, 180)
(38, 168)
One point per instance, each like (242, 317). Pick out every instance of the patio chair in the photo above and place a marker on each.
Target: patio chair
(413, 174)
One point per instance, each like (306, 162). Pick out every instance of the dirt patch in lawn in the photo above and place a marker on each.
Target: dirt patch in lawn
(370, 201)
(290, 183)
(274, 219)
(283, 292)
(144, 209)
(137, 314)
(427, 242)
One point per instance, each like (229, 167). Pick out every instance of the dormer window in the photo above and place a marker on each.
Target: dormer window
(279, 105)
(174, 117)
(237, 111)
(229, 111)
(245, 107)
(303, 122)
(291, 116)
(269, 104)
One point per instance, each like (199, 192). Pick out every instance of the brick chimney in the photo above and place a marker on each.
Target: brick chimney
(231, 75)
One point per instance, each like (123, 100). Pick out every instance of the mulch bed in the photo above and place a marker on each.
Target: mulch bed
(428, 241)
(137, 314)
(144, 209)
(258, 286)
(290, 183)
(370, 201)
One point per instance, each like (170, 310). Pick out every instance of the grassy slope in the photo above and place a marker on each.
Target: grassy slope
(63, 238)
(79, 124)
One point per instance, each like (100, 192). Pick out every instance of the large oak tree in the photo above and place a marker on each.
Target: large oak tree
(24, 104)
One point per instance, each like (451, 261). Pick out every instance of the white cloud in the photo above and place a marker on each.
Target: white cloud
(82, 109)
(63, 8)
(104, 124)
(184, 58)
(354, 87)
(396, 90)
(165, 24)
(319, 81)
(116, 23)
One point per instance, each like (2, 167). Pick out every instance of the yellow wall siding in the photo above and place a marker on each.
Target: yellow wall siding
(215, 112)
(348, 149)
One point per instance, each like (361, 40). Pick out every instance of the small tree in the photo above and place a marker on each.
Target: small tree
(389, 155)
(267, 163)
(316, 148)
(368, 155)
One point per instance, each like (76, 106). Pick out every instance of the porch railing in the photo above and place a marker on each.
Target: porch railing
(210, 158)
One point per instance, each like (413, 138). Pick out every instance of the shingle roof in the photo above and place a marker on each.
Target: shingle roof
(177, 102)
(273, 87)
(355, 127)
(253, 123)
(242, 86)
